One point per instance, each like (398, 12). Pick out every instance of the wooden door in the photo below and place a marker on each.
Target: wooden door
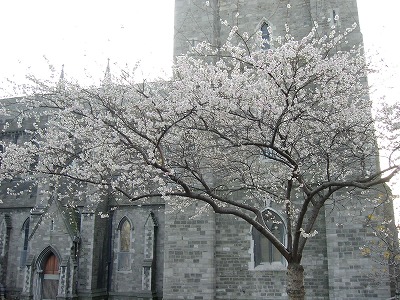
(50, 278)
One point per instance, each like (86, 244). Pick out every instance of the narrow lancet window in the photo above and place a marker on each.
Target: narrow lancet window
(265, 36)
(25, 235)
(264, 251)
(125, 236)
(124, 251)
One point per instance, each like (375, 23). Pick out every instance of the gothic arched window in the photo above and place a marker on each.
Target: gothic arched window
(124, 230)
(264, 251)
(265, 36)
(125, 236)
(25, 238)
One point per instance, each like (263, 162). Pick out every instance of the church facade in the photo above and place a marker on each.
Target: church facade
(110, 250)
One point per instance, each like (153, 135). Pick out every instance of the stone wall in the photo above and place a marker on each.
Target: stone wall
(349, 271)
(189, 270)
(13, 275)
(144, 276)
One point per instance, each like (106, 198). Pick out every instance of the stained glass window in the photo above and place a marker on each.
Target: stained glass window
(124, 255)
(125, 236)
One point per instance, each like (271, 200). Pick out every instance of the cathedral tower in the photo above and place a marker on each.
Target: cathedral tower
(335, 268)
(200, 20)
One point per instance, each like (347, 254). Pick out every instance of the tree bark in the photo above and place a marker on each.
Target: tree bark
(295, 281)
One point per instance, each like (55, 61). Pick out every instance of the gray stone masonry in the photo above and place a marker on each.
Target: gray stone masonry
(189, 258)
(334, 266)
(196, 22)
(130, 282)
(349, 271)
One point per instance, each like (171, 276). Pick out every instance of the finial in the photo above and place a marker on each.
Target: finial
(107, 74)
(108, 66)
(61, 81)
(62, 72)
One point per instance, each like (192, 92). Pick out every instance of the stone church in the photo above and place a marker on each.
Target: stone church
(49, 250)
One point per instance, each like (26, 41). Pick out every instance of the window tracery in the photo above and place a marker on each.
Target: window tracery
(124, 257)
(264, 252)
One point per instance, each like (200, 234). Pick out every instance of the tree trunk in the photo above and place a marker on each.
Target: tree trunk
(295, 281)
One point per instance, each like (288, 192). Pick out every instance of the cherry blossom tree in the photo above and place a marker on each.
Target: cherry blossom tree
(235, 126)
(384, 249)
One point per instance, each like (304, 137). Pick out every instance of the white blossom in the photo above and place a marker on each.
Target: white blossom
(233, 127)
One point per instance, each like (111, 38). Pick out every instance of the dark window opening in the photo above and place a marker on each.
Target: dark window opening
(265, 36)
(264, 251)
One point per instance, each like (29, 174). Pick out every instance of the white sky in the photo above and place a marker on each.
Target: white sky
(379, 25)
(378, 21)
(83, 34)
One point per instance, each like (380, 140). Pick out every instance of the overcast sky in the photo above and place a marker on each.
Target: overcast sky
(83, 34)
(378, 20)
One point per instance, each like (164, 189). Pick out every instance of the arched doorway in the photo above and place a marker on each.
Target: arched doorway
(50, 277)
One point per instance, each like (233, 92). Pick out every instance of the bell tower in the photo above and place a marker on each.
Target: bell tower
(200, 20)
(231, 271)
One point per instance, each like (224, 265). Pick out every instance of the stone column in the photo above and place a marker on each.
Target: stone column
(63, 281)
(73, 280)
(4, 248)
(27, 290)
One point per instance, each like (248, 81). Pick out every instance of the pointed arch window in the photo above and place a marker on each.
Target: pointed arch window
(125, 236)
(25, 238)
(125, 230)
(266, 36)
(265, 252)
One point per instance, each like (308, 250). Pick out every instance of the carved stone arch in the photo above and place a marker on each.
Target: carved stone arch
(121, 222)
(270, 27)
(27, 220)
(47, 275)
(152, 218)
(276, 212)
(47, 251)
(124, 241)
(268, 22)
(150, 235)
(279, 215)
(125, 229)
